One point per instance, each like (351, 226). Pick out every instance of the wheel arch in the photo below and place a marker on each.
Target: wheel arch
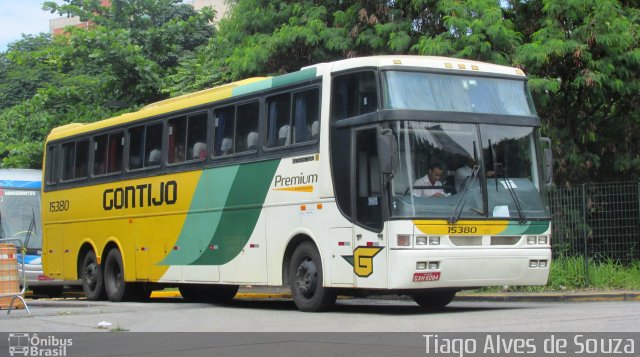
(294, 243)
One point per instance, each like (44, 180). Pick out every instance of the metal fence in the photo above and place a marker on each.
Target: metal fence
(597, 221)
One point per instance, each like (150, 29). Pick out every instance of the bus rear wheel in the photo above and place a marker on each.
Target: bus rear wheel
(434, 299)
(92, 278)
(306, 277)
(114, 284)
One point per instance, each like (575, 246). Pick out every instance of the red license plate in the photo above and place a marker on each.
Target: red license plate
(427, 276)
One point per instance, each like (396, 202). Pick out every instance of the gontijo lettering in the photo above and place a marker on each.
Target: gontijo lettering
(140, 196)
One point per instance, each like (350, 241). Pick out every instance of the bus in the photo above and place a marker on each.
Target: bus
(312, 179)
(20, 219)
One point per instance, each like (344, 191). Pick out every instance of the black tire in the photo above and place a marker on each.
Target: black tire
(92, 278)
(49, 291)
(434, 299)
(116, 288)
(213, 293)
(305, 279)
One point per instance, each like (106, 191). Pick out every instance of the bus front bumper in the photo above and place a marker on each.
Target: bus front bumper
(465, 268)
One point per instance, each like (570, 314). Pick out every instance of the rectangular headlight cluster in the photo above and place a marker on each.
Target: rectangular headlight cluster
(538, 240)
(404, 240)
(538, 263)
(427, 265)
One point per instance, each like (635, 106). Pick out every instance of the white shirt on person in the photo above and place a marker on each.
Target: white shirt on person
(424, 181)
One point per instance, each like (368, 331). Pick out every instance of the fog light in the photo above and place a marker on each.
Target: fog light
(433, 265)
(421, 265)
(435, 240)
(421, 240)
(532, 239)
(533, 263)
(543, 239)
(404, 240)
(542, 264)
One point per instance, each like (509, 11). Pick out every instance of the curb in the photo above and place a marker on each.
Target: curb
(501, 297)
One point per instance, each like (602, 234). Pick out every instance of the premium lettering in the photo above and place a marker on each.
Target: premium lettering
(286, 181)
(143, 195)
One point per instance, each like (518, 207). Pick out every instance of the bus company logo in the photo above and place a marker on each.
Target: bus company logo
(24, 344)
(362, 260)
(144, 195)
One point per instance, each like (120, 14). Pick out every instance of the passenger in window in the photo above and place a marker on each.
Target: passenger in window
(226, 146)
(252, 141)
(200, 150)
(283, 135)
(154, 157)
(431, 179)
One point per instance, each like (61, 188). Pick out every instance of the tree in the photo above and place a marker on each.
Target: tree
(583, 61)
(118, 64)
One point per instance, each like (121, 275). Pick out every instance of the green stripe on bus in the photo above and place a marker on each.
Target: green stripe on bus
(199, 227)
(251, 87)
(294, 77)
(240, 215)
(536, 227)
(278, 81)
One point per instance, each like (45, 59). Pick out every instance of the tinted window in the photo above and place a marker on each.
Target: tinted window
(247, 127)
(354, 94)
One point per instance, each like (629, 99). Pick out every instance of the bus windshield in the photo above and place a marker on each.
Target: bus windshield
(457, 93)
(20, 215)
(445, 169)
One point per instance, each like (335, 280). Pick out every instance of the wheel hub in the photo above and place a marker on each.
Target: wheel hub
(307, 278)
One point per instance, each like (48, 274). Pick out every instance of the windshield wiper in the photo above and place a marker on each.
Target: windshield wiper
(512, 192)
(465, 194)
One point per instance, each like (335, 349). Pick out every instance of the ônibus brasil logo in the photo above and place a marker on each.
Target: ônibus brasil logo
(24, 344)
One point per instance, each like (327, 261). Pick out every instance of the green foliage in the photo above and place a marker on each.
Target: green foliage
(119, 64)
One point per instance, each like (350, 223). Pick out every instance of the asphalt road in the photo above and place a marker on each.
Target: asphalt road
(252, 326)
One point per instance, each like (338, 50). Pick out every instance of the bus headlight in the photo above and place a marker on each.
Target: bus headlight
(421, 240)
(532, 239)
(403, 240)
(543, 240)
(434, 240)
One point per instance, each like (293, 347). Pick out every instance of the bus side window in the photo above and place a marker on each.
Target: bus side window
(153, 145)
(136, 147)
(52, 161)
(278, 119)
(116, 146)
(246, 122)
(197, 137)
(177, 135)
(68, 156)
(224, 120)
(354, 94)
(305, 112)
(100, 154)
(82, 159)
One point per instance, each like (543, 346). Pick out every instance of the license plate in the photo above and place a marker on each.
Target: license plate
(427, 276)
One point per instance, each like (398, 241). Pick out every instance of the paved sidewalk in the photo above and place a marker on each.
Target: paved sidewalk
(283, 292)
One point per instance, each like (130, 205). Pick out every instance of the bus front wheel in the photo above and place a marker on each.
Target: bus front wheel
(117, 290)
(92, 279)
(434, 299)
(305, 277)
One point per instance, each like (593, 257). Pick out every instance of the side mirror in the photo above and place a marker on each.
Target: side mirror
(547, 164)
(387, 152)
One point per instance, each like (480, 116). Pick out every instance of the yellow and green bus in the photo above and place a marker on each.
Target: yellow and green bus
(322, 179)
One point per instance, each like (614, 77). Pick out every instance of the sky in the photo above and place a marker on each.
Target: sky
(22, 16)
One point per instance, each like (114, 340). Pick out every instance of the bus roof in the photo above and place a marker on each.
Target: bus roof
(261, 83)
(20, 178)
